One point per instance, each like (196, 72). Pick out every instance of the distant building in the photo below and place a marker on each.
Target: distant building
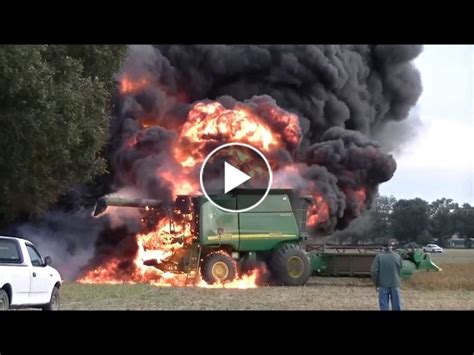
(456, 242)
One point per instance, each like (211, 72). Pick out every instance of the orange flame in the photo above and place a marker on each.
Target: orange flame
(159, 252)
(181, 183)
(318, 212)
(157, 247)
(361, 195)
(212, 122)
(128, 85)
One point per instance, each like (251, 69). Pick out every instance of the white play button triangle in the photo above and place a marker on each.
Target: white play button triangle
(233, 177)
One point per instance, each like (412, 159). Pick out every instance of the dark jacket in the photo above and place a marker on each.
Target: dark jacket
(386, 269)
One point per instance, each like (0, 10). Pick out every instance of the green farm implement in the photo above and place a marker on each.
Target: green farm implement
(272, 235)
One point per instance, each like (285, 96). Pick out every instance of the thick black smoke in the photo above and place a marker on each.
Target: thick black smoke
(351, 101)
(138, 165)
(344, 95)
(359, 166)
(358, 87)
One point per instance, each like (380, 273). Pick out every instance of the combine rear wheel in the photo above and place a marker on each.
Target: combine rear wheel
(290, 265)
(218, 267)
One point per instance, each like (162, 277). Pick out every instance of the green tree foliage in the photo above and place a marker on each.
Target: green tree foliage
(53, 121)
(410, 221)
(465, 223)
(443, 219)
(373, 225)
(381, 216)
(99, 62)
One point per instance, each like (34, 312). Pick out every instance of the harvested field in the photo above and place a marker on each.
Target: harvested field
(319, 294)
(451, 289)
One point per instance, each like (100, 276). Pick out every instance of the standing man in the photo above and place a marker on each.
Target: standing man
(385, 271)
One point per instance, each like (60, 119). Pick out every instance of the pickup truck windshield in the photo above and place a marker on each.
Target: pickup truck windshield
(9, 251)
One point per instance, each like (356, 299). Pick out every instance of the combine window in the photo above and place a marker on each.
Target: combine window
(10, 251)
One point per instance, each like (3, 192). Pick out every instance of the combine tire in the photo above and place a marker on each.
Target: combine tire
(290, 265)
(4, 301)
(218, 267)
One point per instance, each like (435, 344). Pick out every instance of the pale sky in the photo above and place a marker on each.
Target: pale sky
(439, 162)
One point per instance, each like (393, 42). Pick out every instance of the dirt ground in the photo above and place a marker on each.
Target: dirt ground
(318, 294)
(450, 289)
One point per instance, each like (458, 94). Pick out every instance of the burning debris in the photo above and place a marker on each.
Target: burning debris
(314, 111)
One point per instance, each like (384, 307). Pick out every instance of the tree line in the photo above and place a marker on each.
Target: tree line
(54, 121)
(412, 221)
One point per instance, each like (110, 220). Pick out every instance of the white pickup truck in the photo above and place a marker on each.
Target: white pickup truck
(26, 280)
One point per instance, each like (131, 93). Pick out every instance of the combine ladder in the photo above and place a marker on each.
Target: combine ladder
(193, 267)
(302, 217)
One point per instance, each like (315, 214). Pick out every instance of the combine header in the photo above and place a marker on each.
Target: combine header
(356, 260)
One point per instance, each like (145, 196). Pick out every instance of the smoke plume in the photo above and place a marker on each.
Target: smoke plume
(67, 238)
(327, 107)
(357, 89)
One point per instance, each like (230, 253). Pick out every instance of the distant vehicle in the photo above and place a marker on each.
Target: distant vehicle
(26, 280)
(432, 248)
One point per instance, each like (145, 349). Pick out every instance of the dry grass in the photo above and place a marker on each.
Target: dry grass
(452, 277)
(319, 294)
(451, 289)
(454, 256)
(457, 272)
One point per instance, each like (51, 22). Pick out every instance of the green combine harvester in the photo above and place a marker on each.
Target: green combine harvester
(273, 235)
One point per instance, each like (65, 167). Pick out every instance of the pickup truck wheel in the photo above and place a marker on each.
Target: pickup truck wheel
(4, 301)
(53, 304)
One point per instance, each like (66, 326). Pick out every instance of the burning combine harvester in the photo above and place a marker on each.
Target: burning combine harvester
(317, 114)
(266, 244)
(203, 241)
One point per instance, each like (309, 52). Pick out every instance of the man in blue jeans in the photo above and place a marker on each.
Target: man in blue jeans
(385, 272)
